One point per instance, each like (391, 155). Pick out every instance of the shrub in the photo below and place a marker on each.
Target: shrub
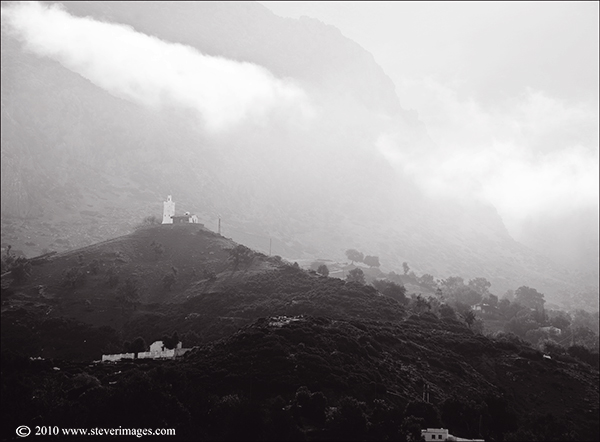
(240, 255)
(424, 410)
(551, 347)
(73, 277)
(447, 312)
(157, 248)
(112, 277)
(210, 275)
(356, 275)
(150, 220)
(94, 267)
(168, 281)
(350, 418)
(310, 405)
(391, 289)
(20, 269)
(129, 294)
(323, 270)
(584, 354)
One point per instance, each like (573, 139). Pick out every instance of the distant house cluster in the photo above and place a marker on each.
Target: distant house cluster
(157, 351)
(169, 214)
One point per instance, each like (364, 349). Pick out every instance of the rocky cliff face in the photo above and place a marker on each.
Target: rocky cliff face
(80, 165)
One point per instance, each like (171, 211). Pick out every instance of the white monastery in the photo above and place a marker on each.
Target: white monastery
(169, 214)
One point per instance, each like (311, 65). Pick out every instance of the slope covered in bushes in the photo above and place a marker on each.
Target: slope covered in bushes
(310, 378)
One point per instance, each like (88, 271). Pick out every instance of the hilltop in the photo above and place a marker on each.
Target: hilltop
(163, 278)
(189, 252)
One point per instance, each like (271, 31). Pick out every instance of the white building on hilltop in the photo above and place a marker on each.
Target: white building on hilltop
(168, 210)
(169, 214)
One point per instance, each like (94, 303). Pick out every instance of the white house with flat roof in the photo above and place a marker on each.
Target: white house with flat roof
(431, 434)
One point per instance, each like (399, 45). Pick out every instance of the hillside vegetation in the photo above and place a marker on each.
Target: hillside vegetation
(280, 353)
(310, 378)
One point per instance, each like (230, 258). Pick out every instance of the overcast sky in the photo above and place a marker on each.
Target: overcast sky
(508, 91)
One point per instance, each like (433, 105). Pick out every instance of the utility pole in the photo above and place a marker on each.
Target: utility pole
(219, 231)
(269, 246)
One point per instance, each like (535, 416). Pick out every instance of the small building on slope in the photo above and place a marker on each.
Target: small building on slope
(441, 434)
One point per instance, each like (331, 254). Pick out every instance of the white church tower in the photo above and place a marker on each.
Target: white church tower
(168, 210)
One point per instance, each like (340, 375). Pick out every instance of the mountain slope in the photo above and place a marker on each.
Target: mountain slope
(80, 165)
(263, 329)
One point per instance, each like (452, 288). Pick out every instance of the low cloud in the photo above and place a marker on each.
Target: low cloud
(531, 156)
(152, 72)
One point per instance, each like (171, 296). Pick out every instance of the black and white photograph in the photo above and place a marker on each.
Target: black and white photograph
(300, 220)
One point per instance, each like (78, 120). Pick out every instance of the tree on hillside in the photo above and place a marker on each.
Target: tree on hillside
(391, 289)
(372, 261)
(509, 294)
(452, 283)
(586, 337)
(480, 285)
(529, 298)
(395, 277)
(521, 323)
(138, 345)
(240, 255)
(158, 248)
(454, 288)
(323, 270)
(467, 296)
(462, 415)
(509, 309)
(419, 304)
(411, 428)
(561, 320)
(492, 300)
(168, 280)
(427, 281)
(73, 277)
(581, 318)
(447, 312)
(354, 255)
(171, 342)
(356, 275)
(424, 410)
(150, 220)
(405, 267)
(19, 266)
(129, 296)
(20, 269)
(469, 318)
(315, 265)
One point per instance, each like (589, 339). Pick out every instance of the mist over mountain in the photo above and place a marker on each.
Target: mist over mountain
(284, 128)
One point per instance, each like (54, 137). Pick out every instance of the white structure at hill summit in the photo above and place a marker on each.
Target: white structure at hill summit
(169, 214)
(168, 210)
